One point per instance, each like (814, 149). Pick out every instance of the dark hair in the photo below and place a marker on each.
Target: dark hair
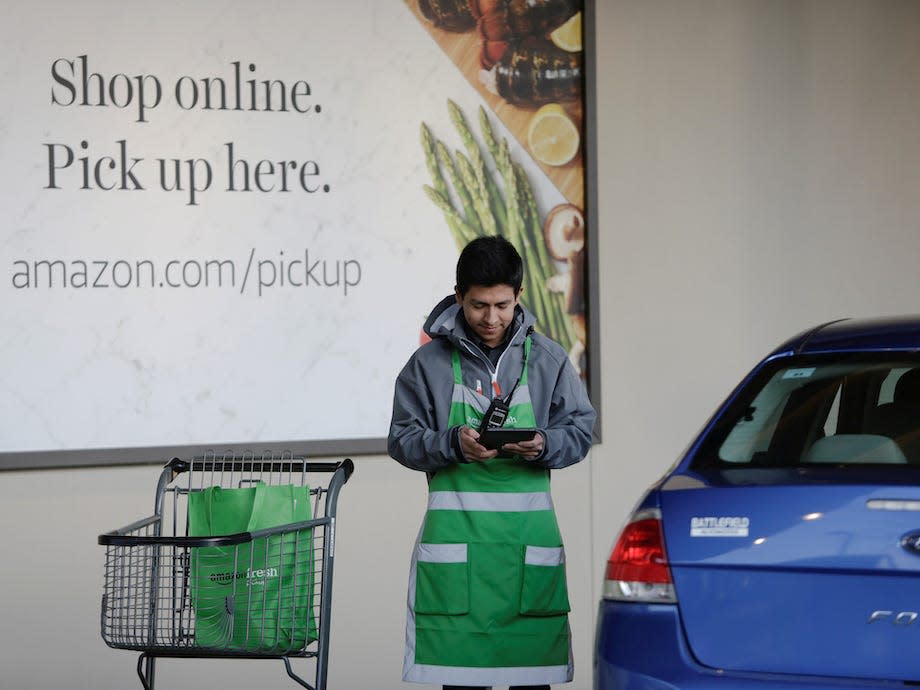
(489, 261)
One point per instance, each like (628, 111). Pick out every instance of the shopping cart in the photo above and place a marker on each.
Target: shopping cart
(262, 593)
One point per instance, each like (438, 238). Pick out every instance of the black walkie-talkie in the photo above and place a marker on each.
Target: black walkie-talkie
(495, 416)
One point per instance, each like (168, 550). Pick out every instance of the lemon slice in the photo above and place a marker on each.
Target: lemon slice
(568, 36)
(553, 138)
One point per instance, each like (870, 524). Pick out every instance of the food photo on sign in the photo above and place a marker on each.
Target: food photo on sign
(526, 61)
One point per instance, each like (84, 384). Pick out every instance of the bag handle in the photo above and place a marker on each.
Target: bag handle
(257, 501)
(255, 506)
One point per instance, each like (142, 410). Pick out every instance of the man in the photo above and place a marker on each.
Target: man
(487, 595)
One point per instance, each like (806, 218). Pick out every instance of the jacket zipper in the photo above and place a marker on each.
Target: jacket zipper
(493, 371)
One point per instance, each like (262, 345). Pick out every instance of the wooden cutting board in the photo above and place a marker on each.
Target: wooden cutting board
(463, 49)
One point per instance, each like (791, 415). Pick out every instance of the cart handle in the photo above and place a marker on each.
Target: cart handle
(343, 470)
(178, 465)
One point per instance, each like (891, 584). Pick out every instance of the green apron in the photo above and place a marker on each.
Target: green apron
(487, 593)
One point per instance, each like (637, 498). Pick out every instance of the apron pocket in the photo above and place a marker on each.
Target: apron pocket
(442, 579)
(543, 590)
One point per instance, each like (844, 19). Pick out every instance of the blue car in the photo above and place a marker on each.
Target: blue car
(783, 549)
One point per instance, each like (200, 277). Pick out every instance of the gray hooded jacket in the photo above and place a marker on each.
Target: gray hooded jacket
(419, 435)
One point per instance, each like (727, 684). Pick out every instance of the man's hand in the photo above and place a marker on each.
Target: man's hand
(526, 449)
(471, 448)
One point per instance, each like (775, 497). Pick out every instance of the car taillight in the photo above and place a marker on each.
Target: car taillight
(637, 569)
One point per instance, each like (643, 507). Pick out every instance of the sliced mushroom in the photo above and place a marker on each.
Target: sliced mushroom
(564, 231)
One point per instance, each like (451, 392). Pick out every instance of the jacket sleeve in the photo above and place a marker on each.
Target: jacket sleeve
(418, 437)
(569, 430)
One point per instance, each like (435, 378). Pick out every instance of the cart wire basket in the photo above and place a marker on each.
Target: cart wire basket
(256, 593)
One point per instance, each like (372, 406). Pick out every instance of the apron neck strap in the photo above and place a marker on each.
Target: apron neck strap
(455, 363)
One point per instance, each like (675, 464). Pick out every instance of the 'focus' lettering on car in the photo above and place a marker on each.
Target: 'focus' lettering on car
(900, 618)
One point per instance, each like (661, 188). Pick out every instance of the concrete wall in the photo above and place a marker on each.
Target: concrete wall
(758, 167)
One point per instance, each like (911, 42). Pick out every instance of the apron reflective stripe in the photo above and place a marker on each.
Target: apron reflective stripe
(490, 501)
(544, 555)
(523, 675)
(442, 553)
(463, 396)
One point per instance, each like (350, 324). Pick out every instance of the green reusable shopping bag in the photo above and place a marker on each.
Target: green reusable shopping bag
(256, 596)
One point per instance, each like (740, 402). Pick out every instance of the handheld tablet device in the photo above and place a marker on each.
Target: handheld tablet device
(497, 437)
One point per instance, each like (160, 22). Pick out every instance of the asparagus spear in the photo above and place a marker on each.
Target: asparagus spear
(463, 232)
(469, 208)
(478, 193)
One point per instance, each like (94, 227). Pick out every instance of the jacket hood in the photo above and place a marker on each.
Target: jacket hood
(446, 320)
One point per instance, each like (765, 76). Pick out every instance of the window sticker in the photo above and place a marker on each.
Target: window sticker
(719, 526)
(801, 373)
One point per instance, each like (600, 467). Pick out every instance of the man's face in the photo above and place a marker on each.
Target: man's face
(489, 311)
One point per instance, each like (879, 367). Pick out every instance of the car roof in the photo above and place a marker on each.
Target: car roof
(862, 335)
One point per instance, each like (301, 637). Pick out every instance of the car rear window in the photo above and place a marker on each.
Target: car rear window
(820, 411)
